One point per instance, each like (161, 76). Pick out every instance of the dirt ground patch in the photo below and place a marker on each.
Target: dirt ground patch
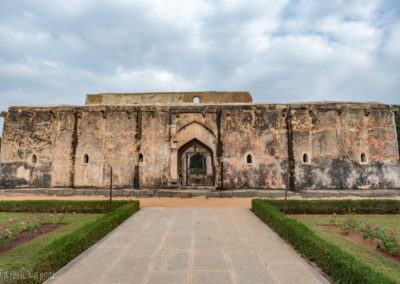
(150, 202)
(234, 202)
(356, 238)
(25, 237)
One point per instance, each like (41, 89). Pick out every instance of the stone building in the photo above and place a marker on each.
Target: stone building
(192, 139)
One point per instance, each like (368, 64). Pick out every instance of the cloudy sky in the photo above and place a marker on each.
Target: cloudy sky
(56, 51)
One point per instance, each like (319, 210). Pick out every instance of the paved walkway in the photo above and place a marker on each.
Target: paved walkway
(190, 245)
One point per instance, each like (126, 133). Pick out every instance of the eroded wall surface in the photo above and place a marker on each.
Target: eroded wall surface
(76, 146)
(334, 136)
(168, 98)
(259, 131)
(25, 134)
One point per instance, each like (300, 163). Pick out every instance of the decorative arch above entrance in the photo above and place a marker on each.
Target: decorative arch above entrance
(196, 164)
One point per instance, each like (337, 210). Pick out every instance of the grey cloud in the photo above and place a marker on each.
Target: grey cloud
(57, 51)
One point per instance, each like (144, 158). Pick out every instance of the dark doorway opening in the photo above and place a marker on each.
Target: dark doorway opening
(196, 164)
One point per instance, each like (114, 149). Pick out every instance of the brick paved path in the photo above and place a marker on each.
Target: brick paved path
(190, 245)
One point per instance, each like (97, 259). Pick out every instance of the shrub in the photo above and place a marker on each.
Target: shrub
(60, 206)
(61, 251)
(350, 223)
(344, 206)
(34, 224)
(387, 238)
(342, 267)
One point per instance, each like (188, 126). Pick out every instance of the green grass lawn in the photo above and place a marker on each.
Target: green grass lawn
(376, 261)
(22, 253)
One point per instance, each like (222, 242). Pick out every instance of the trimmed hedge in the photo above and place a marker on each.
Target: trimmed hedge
(341, 266)
(53, 257)
(62, 206)
(365, 206)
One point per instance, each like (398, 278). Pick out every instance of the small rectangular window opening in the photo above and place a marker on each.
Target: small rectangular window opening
(363, 158)
(249, 159)
(306, 158)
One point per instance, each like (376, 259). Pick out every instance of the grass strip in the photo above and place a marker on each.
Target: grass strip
(25, 251)
(54, 256)
(341, 266)
(378, 262)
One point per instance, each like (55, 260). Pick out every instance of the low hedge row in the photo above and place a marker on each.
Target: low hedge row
(342, 267)
(365, 206)
(61, 251)
(65, 206)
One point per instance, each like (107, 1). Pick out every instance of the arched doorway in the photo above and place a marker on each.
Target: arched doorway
(196, 164)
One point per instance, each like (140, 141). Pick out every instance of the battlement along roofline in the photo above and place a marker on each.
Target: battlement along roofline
(168, 98)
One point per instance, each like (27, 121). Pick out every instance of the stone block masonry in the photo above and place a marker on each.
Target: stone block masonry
(231, 144)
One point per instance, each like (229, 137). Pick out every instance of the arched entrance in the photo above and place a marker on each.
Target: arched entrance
(196, 164)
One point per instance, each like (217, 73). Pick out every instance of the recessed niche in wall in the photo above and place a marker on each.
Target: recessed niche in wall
(363, 158)
(196, 100)
(86, 159)
(140, 158)
(306, 158)
(33, 159)
(249, 159)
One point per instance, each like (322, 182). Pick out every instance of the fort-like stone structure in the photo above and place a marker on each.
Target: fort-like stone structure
(216, 139)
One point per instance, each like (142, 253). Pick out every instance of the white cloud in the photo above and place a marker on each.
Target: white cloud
(392, 46)
(149, 79)
(281, 51)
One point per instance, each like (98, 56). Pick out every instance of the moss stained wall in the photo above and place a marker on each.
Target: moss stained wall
(155, 150)
(62, 173)
(27, 133)
(333, 135)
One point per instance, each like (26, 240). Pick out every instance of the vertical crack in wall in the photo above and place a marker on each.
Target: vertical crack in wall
(74, 145)
(138, 138)
(220, 150)
(289, 131)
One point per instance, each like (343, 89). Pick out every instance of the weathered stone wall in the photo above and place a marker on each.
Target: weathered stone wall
(154, 170)
(108, 139)
(60, 151)
(27, 133)
(259, 131)
(334, 136)
(168, 98)
(75, 146)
